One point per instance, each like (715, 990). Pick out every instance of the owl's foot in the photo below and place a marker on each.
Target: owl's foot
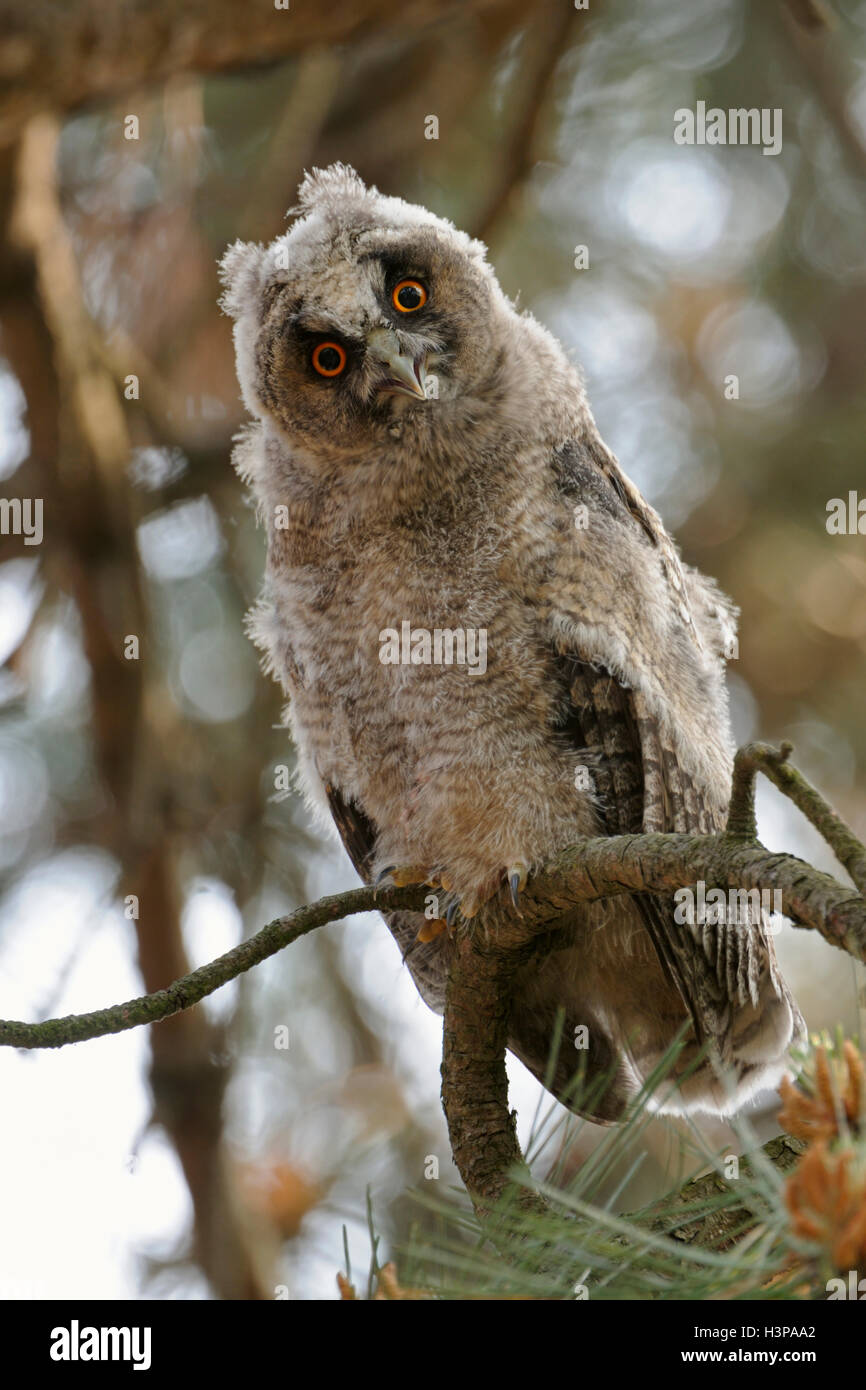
(470, 904)
(413, 875)
(464, 906)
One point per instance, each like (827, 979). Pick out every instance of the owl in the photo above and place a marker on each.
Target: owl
(488, 641)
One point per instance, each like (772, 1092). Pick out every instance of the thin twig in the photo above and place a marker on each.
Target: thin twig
(151, 1008)
(760, 757)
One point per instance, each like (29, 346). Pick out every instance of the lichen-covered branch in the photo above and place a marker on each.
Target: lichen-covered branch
(590, 869)
(151, 1008)
(773, 762)
(485, 958)
(485, 961)
(474, 1083)
(693, 1215)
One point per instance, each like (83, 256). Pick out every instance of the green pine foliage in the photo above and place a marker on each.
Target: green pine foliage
(726, 1234)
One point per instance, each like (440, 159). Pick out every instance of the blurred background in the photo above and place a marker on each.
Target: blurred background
(221, 1153)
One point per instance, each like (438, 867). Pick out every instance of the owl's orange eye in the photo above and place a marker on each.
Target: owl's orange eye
(329, 359)
(408, 296)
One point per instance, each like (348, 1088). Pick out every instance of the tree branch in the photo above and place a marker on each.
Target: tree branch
(774, 764)
(483, 963)
(694, 1215)
(61, 57)
(516, 159)
(808, 28)
(590, 869)
(151, 1008)
(474, 1082)
(484, 960)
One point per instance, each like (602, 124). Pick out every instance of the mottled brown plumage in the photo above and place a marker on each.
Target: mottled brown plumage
(448, 474)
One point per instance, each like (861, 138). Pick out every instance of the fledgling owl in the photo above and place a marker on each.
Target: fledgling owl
(489, 643)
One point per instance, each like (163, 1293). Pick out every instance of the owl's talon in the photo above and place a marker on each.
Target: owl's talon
(451, 912)
(382, 875)
(517, 876)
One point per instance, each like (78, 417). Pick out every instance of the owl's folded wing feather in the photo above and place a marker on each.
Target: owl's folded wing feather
(725, 973)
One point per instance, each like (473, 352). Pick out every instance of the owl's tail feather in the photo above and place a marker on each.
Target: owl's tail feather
(744, 1018)
(706, 1044)
(601, 1015)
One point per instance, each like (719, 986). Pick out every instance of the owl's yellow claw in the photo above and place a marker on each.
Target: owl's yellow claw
(430, 930)
(405, 876)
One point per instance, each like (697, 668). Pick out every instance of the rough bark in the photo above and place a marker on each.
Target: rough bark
(681, 1215)
(474, 1084)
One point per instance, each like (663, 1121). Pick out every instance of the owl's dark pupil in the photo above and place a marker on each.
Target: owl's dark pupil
(329, 359)
(409, 297)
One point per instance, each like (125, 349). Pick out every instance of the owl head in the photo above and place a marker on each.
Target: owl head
(366, 316)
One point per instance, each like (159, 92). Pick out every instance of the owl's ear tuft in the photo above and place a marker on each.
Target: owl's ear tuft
(329, 185)
(240, 270)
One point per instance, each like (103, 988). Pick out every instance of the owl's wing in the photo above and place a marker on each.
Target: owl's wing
(355, 829)
(640, 785)
(726, 975)
(631, 791)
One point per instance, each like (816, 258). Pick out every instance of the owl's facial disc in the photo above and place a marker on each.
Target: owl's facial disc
(403, 375)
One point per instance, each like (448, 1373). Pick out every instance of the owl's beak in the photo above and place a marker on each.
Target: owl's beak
(405, 374)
